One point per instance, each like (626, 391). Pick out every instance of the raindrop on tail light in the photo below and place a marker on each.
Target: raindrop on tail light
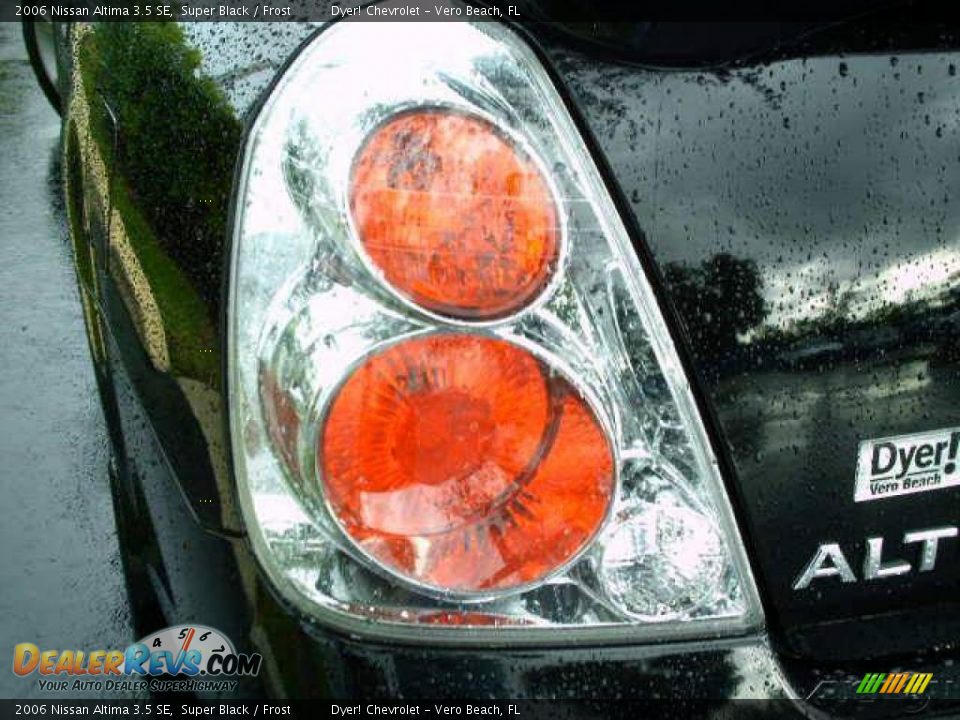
(457, 218)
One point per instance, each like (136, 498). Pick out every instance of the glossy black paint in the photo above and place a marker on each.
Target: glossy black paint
(775, 199)
(803, 213)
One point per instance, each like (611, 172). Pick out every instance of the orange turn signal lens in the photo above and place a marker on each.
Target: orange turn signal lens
(457, 218)
(463, 463)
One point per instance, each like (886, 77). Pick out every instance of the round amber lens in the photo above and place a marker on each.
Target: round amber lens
(457, 217)
(461, 462)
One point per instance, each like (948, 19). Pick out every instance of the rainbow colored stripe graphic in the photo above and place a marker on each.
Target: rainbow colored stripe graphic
(903, 683)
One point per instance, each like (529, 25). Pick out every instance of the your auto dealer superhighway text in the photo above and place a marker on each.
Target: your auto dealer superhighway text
(435, 709)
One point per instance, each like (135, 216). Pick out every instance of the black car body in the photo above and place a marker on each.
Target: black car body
(789, 191)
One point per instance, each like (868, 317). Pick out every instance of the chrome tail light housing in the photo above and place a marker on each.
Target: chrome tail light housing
(456, 412)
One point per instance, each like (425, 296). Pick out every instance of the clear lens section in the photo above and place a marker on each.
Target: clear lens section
(662, 559)
(311, 312)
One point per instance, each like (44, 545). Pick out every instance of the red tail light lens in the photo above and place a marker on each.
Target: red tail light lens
(457, 217)
(463, 463)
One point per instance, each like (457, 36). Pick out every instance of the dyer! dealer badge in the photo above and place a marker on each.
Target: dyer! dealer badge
(907, 464)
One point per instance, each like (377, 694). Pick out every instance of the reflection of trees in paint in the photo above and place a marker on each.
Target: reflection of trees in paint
(718, 300)
(177, 142)
(171, 168)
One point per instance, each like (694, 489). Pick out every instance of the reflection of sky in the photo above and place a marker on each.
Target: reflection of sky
(827, 172)
(924, 276)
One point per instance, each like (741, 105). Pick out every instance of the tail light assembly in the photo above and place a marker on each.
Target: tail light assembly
(456, 412)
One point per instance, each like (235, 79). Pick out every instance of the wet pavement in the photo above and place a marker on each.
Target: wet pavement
(61, 584)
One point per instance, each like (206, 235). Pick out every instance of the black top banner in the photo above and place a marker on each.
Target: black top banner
(564, 11)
